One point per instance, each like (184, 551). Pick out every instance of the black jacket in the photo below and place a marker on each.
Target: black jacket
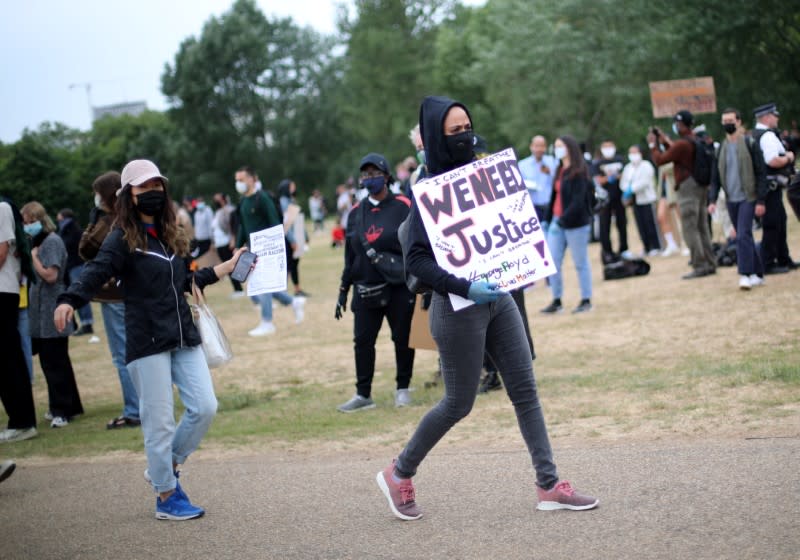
(420, 260)
(157, 316)
(576, 201)
(380, 224)
(71, 233)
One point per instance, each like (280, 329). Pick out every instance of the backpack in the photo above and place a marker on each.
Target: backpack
(704, 161)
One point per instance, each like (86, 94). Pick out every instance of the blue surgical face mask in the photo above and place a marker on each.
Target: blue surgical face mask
(33, 229)
(374, 184)
(675, 128)
(560, 152)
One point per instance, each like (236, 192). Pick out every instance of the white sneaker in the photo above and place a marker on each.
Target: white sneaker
(756, 280)
(48, 415)
(59, 422)
(627, 255)
(653, 253)
(299, 304)
(11, 434)
(744, 282)
(263, 329)
(402, 397)
(685, 252)
(669, 251)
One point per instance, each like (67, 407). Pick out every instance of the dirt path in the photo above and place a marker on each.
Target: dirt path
(701, 499)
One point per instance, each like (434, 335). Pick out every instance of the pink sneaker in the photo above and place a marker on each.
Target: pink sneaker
(563, 496)
(400, 494)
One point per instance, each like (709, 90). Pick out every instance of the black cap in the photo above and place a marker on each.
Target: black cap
(766, 109)
(374, 159)
(684, 116)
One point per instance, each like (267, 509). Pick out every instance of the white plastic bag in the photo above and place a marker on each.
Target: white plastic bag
(214, 342)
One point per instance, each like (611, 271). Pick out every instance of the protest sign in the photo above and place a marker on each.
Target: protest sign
(696, 95)
(269, 275)
(482, 224)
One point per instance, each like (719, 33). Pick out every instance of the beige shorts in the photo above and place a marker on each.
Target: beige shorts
(666, 183)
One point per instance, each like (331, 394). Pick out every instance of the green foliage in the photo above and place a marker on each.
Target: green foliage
(254, 90)
(239, 91)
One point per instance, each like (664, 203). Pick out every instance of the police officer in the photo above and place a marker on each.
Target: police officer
(779, 168)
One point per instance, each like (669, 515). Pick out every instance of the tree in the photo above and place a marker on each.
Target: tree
(242, 93)
(388, 70)
(42, 166)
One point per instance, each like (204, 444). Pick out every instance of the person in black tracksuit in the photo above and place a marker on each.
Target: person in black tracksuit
(149, 254)
(374, 222)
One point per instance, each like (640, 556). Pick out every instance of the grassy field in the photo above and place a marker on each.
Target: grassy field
(657, 358)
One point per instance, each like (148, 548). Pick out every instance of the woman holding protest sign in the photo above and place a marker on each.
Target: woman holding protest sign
(494, 323)
(371, 242)
(571, 208)
(147, 251)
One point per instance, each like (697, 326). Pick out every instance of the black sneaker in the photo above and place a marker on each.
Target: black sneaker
(584, 306)
(554, 307)
(84, 329)
(490, 382)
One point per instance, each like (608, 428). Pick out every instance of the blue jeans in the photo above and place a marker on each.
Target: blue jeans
(748, 259)
(114, 321)
(266, 303)
(164, 444)
(85, 312)
(461, 338)
(577, 239)
(23, 326)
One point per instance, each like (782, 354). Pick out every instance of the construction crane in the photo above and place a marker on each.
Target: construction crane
(88, 87)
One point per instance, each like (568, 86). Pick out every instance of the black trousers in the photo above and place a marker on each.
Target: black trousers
(225, 254)
(62, 391)
(294, 272)
(646, 224)
(367, 325)
(774, 249)
(15, 384)
(616, 209)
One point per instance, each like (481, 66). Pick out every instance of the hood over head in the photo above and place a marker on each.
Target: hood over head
(432, 112)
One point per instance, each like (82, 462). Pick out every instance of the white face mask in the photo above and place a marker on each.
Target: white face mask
(98, 200)
(635, 157)
(560, 152)
(608, 153)
(675, 128)
(241, 187)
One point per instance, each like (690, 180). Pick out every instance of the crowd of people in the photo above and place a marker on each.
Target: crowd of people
(139, 255)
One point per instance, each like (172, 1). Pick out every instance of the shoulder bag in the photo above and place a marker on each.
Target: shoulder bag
(215, 344)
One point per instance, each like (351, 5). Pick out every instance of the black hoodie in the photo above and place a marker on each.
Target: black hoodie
(419, 259)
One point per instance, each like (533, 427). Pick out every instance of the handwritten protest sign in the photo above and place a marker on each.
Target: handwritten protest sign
(482, 225)
(695, 94)
(269, 275)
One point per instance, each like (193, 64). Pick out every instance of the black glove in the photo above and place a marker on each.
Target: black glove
(426, 300)
(341, 303)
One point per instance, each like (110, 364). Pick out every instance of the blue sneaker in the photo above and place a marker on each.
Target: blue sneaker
(178, 489)
(177, 508)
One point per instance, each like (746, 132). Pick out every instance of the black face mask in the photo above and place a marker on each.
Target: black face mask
(730, 128)
(461, 147)
(151, 203)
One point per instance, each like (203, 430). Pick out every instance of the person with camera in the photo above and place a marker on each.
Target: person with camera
(740, 173)
(372, 237)
(493, 323)
(692, 197)
(148, 252)
(779, 167)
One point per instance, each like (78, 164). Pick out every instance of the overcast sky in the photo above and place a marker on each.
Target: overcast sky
(51, 49)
